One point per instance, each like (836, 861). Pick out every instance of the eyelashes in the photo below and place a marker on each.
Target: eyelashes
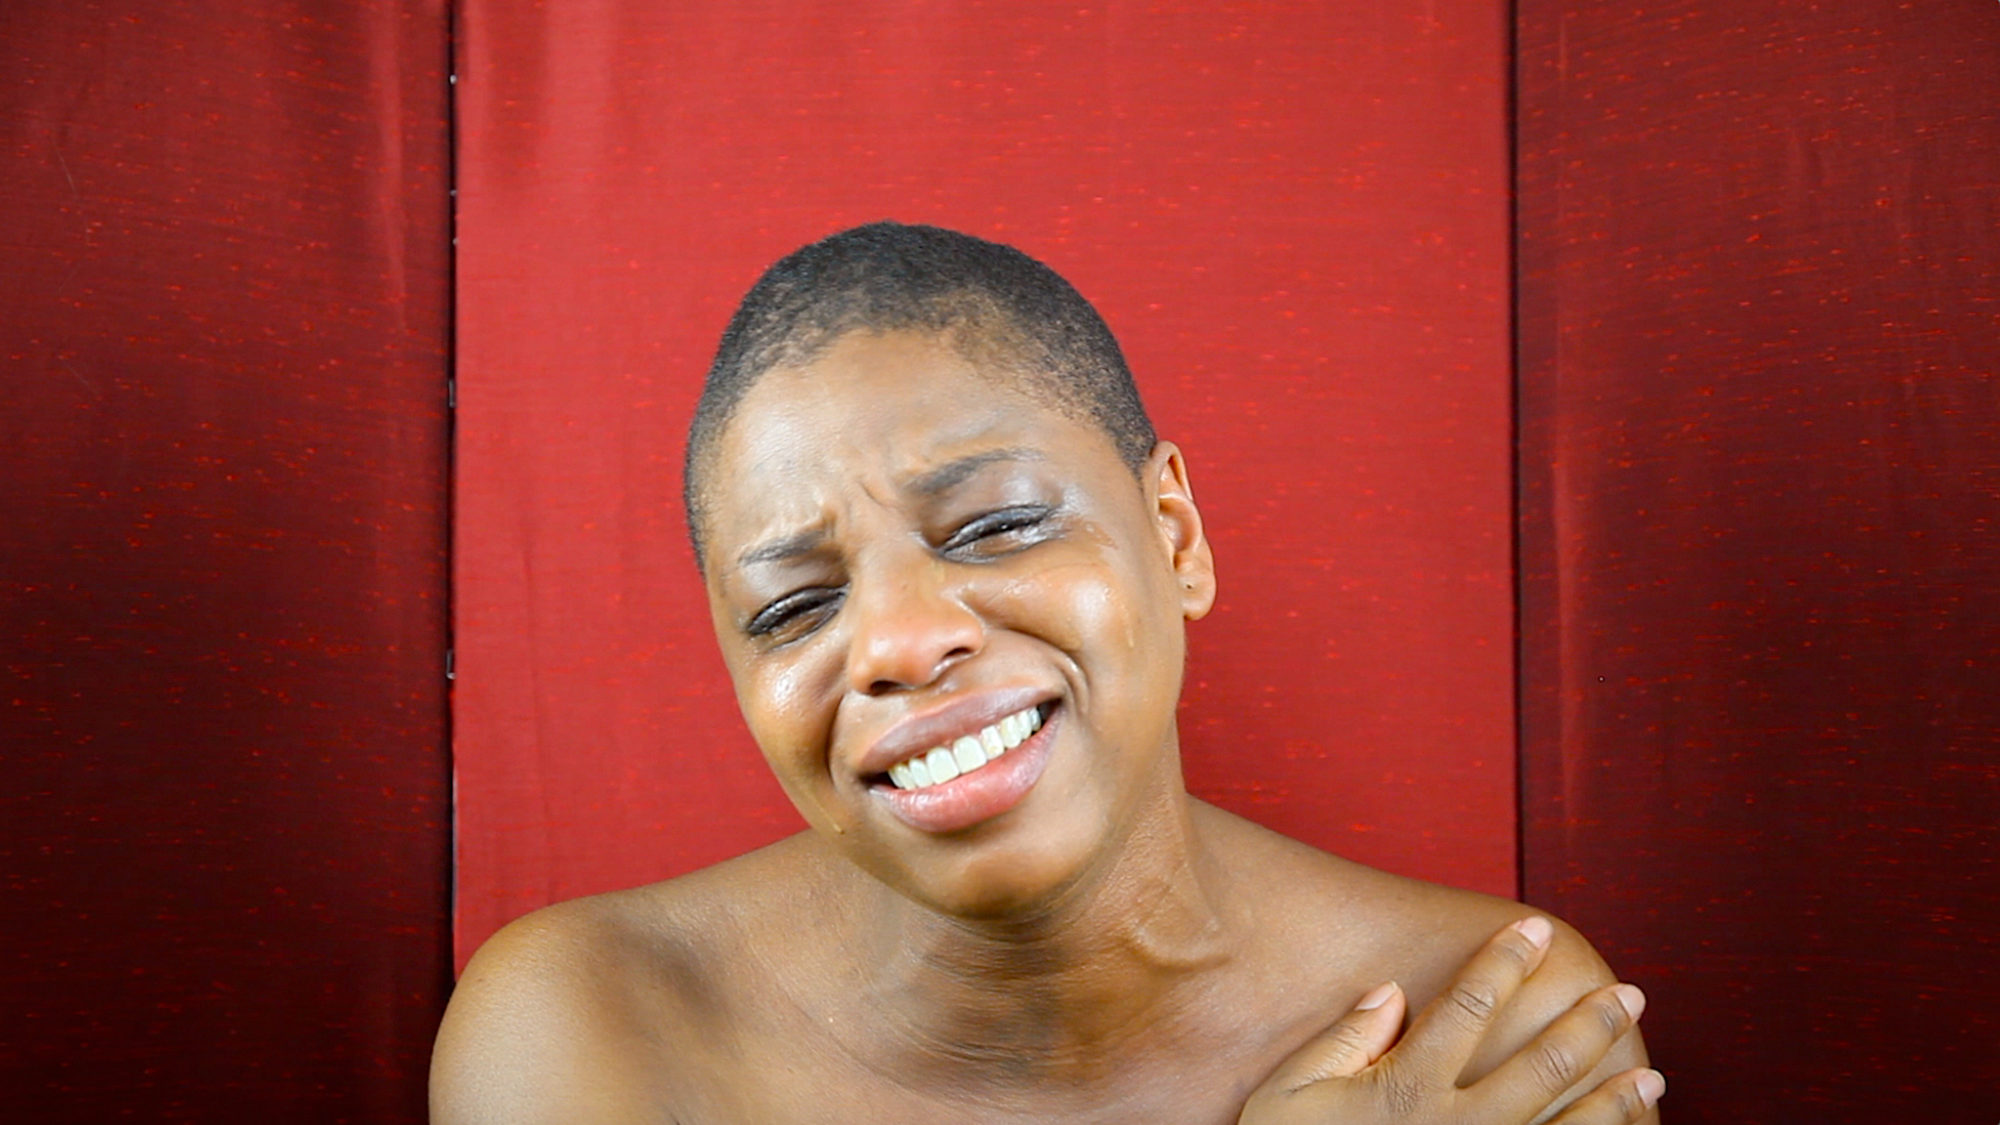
(1000, 532)
(984, 538)
(793, 610)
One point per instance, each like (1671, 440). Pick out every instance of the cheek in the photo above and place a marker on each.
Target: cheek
(785, 709)
(1095, 610)
(1059, 603)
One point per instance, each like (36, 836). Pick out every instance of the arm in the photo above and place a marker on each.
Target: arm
(1502, 1045)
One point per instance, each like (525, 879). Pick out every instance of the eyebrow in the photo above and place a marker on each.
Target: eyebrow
(950, 475)
(779, 550)
(944, 478)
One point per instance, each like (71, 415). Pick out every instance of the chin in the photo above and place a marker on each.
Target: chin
(1004, 884)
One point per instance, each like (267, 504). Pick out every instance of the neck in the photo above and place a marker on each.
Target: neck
(1068, 991)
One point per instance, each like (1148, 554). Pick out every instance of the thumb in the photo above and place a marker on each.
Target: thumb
(1351, 1044)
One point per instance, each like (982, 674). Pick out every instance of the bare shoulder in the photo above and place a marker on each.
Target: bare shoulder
(1380, 921)
(531, 1027)
(1380, 927)
(1421, 932)
(1442, 927)
(588, 1009)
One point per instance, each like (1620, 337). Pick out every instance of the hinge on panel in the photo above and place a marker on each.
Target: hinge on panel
(449, 671)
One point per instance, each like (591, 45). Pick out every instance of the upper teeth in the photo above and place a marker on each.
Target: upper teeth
(940, 764)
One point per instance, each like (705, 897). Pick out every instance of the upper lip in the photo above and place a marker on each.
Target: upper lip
(943, 723)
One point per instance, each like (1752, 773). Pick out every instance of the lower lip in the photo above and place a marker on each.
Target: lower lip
(975, 797)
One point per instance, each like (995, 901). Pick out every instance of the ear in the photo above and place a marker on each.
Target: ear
(1179, 523)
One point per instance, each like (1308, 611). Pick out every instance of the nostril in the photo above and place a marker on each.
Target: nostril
(906, 641)
(883, 686)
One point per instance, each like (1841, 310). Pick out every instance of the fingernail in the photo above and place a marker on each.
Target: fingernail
(1651, 1085)
(1377, 996)
(1536, 929)
(1631, 999)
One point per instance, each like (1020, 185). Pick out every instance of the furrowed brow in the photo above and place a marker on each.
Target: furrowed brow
(781, 550)
(954, 473)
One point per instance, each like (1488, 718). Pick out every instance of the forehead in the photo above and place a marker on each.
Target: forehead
(882, 381)
(874, 410)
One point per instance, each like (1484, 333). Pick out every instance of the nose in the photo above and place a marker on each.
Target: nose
(909, 625)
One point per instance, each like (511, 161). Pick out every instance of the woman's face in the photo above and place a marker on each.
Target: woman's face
(912, 563)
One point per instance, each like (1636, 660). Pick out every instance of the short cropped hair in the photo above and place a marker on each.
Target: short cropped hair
(994, 303)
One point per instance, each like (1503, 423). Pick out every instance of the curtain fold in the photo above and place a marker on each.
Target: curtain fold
(1760, 411)
(224, 450)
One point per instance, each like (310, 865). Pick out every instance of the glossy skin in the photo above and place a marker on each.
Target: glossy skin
(904, 548)
(969, 545)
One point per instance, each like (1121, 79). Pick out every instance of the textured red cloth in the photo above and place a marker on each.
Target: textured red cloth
(223, 299)
(1758, 480)
(1760, 324)
(1293, 215)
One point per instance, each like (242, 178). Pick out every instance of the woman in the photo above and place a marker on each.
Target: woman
(950, 566)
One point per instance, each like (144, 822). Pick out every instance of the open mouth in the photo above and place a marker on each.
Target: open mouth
(968, 753)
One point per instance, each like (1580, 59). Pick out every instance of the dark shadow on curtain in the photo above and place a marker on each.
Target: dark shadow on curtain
(224, 827)
(1760, 333)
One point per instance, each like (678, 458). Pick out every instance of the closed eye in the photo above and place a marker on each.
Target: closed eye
(1000, 532)
(795, 614)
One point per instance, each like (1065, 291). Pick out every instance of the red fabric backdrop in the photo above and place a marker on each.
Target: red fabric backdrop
(1760, 322)
(223, 323)
(1758, 331)
(1294, 215)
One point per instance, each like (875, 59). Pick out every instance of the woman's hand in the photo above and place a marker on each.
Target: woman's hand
(1352, 1075)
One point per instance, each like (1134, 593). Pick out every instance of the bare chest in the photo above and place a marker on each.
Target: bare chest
(782, 1066)
(811, 1095)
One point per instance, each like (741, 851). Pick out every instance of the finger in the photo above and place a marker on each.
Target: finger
(1446, 1032)
(1618, 1100)
(1350, 1045)
(1565, 1052)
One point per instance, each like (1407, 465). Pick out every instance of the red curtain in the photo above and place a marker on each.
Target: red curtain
(1757, 335)
(223, 326)
(1295, 217)
(1760, 332)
